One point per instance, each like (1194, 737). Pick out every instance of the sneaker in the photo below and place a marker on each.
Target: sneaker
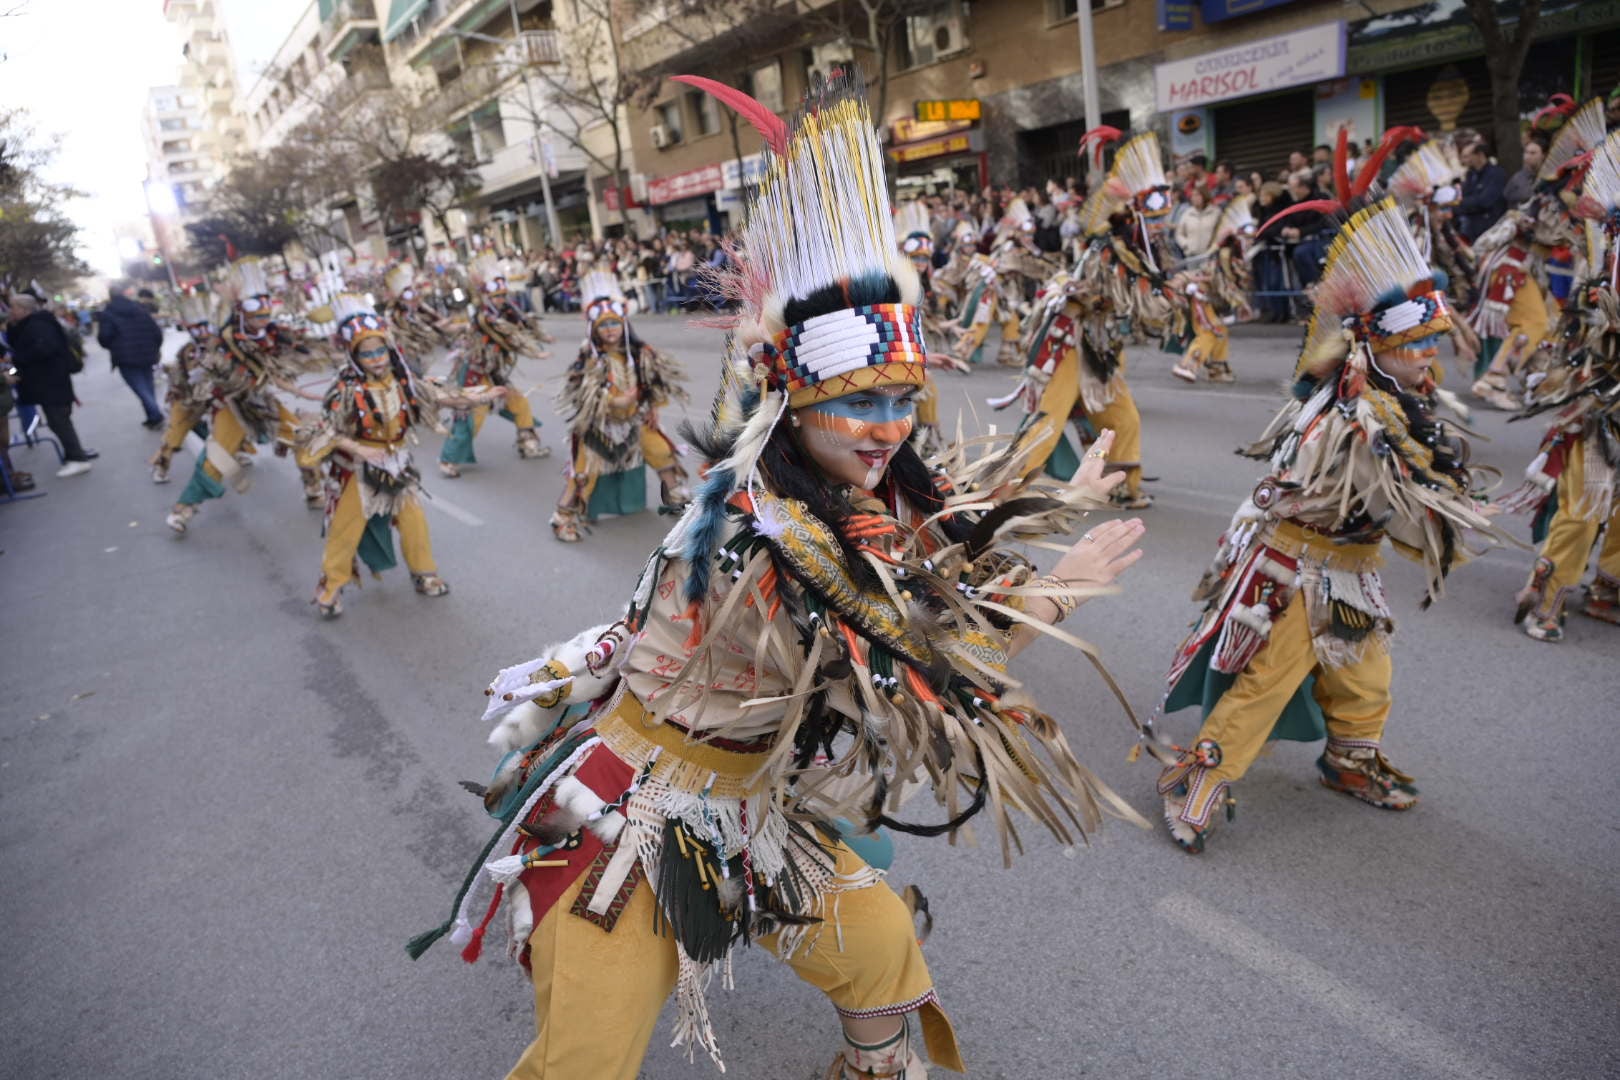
(180, 517)
(1218, 372)
(449, 470)
(1362, 772)
(74, 468)
(160, 472)
(152, 425)
(1602, 602)
(1124, 500)
(1186, 374)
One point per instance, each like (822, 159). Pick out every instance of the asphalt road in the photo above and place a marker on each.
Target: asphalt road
(220, 818)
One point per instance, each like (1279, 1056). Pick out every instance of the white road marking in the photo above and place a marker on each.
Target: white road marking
(1432, 1052)
(450, 509)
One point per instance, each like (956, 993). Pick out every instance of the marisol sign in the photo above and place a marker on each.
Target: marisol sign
(1306, 56)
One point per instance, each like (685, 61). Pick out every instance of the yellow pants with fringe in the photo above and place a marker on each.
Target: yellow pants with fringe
(1058, 402)
(348, 524)
(1355, 698)
(1570, 538)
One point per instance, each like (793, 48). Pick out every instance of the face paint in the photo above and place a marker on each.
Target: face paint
(853, 438)
(609, 332)
(373, 358)
(255, 322)
(1409, 364)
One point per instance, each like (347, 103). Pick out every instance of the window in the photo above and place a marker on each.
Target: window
(706, 110)
(822, 59)
(764, 84)
(940, 33)
(172, 125)
(1058, 10)
(488, 132)
(669, 114)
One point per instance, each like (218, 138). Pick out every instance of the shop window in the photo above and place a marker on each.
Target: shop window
(488, 133)
(934, 35)
(706, 110)
(764, 85)
(820, 60)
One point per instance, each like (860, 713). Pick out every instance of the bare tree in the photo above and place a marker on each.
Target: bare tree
(1504, 59)
(37, 238)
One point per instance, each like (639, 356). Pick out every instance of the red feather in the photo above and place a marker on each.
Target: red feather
(764, 121)
(1341, 166)
(1320, 206)
(1394, 137)
(230, 248)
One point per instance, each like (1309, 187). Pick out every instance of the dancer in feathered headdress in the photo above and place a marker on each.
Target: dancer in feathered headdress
(1571, 486)
(234, 381)
(186, 411)
(823, 594)
(913, 229)
(363, 441)
(1072, 348)
(611, 399)
(421, 332)
(1526, 258)
(500, 336)
(1293, 642)
(990, 289)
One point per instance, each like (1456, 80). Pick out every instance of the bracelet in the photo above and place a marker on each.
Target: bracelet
(1066, 604)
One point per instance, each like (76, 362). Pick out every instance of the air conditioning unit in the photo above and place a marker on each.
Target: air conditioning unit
(662, 136)
(950, 36)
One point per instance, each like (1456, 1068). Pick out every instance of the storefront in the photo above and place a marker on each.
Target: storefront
(685, 200)
(927, 157)
(1256, 102)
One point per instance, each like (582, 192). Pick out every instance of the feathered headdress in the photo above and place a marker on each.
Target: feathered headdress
(1135, 179)
(1429, 175)
(488, 275)
(356, 320)
(1236, 220)
(911, 225)
(399, 278)
(829, 303)
(1016, 221)
(196, 308)
(1376, 290)
(250, 288)
(1582, 133)
(603, 298)
(1599, 204)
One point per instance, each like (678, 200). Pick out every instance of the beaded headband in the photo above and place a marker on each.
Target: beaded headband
(1423, 314)
(846, 351)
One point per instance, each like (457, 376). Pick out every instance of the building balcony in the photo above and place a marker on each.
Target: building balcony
(520, 163)
(349, 23)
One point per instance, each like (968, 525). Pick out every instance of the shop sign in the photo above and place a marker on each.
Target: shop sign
(954, 144)
(616, 197)
(1175, 14)
(1217, 10)
(955, 109)
(1431, 33)
(685, 185)
(906, 130)
(750, 171)
(1307, 56)
(1189, 133)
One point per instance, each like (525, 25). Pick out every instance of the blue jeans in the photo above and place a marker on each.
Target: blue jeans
(140, 381)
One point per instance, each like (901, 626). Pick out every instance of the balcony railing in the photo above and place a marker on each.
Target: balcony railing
(350, 23)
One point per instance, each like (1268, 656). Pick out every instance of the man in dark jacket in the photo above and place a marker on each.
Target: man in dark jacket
(40, 351)
(135, 340)
(1482, 199)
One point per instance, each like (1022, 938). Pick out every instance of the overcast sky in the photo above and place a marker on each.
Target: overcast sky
(82, 68)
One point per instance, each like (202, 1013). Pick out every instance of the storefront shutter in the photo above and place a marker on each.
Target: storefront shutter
(1406, 96)
(1605, 57)
(1259, 134)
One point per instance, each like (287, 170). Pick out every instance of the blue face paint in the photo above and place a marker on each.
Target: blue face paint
(870, 406)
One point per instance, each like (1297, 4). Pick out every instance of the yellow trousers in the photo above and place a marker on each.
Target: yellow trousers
(1058, 402)
(928, 402)
(1528, 324)
(516, 404)
(656, 450)
(1561, 562)
(182, 418)
(597, 995)
(348, 524)
(1206, 346)
(973, 338)
(228, 432)
(1354, 699)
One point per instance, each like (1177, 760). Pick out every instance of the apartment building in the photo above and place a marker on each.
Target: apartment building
(990, 90)
(489, 74)
(208, 74)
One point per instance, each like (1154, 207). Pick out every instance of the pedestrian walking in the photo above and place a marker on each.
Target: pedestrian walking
(135, 341)
(45, 367)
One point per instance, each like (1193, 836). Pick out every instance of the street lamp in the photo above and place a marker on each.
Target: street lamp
(160, 204)
(553, 228)
(1088, 76)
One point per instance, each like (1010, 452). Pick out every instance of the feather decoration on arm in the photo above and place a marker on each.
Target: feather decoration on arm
(767, 123)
